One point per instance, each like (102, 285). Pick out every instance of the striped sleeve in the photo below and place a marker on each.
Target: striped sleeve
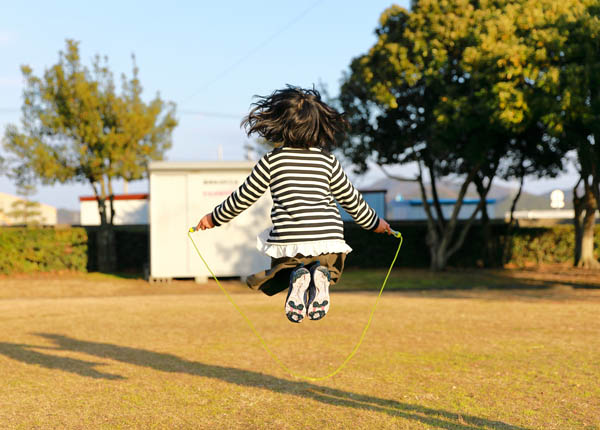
(246, 195)
(350, 199)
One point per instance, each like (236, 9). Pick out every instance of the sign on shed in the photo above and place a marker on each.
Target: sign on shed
(180, 194)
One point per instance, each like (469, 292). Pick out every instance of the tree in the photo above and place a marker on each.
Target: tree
(580, 93)
(77, 128)
(25, 211)
(573, 116)
(517, 50)
(423, 94)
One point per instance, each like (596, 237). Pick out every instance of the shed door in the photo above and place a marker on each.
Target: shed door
(168, 240)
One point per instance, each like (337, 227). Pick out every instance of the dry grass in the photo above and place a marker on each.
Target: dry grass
(93, 352)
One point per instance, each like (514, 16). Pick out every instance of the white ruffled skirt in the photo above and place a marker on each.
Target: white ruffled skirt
(306, 249)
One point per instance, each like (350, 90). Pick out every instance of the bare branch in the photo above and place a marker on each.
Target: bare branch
(93, 184)
(513, 205)
(430, 219)
(461, 197)
(436, 199)
(467, 227)
(111, 198)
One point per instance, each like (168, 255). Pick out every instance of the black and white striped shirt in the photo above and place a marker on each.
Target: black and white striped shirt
(304, 183)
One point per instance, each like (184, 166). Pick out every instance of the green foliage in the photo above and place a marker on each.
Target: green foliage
(25, 250)
(479, 90)
(76, 127)
(535, 246)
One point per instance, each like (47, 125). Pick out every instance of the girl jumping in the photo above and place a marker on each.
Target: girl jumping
(306, 242)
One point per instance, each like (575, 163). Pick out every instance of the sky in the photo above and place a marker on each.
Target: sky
(210, 58)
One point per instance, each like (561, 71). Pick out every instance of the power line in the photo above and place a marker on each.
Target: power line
(211, 114)
(180, 112)
(251, 52)
(225, 71)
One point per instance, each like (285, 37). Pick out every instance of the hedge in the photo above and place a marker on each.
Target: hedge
(547, 245)
(24, 250)
(46, 249)
(526, 246)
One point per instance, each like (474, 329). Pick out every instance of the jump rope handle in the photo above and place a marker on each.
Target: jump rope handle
(192, 229)
(395, 233)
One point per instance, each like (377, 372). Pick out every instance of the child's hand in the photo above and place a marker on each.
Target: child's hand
(383, 227)
(205, 222)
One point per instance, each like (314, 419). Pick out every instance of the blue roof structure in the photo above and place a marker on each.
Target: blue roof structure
(418, 202)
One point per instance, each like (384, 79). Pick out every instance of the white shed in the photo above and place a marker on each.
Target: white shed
(180, 194)
(130, 209)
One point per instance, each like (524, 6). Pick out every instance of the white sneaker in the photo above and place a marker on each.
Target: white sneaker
(318, 301)
(295, 302)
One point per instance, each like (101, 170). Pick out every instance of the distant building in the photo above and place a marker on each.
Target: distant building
(404, 201)
(374, 198)
(130, 209)
(542, 214)
(47, 213)
(557, 206)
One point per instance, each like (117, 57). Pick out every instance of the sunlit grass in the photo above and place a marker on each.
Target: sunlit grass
(87, 353)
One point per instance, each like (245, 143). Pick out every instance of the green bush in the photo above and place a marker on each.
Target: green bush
(545, 245)
(25, 250)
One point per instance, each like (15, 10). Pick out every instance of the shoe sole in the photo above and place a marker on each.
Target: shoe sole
(319, 307)
(295, 310)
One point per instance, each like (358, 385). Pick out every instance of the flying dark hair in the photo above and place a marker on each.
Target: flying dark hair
(297, 117)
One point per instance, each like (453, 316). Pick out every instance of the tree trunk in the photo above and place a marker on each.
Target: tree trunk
(512, 223)
(587, 259)
(489, 257)
(106, 249)
(105, 242)
(440, 233)
(439, 258)
(585, 221)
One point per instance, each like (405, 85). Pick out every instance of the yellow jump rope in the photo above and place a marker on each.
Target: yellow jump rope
(264, 343)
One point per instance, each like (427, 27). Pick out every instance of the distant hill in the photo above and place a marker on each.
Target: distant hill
(409, 190)
(67, 216)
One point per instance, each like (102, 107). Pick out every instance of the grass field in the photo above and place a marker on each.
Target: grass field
(96, 352)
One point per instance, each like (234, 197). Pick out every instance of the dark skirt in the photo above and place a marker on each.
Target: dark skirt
(277, 278)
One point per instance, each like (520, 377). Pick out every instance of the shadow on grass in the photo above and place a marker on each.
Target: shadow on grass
(26, 354)
(170, 363)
